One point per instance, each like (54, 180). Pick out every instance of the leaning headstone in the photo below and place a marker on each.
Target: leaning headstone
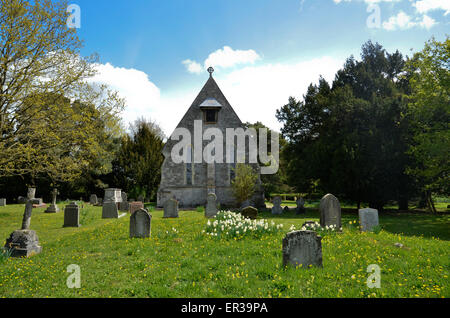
(140, 224)
(171, 208)
(211, 205)
(53, 208)
(72, 215)
(330, 211)
(136, 205)
(302, 248)
(24, 242)
(368, 218)
(300, 206)
(277, 209)
(250, 212)
(93, 199)
(124, 205)
(2, 202)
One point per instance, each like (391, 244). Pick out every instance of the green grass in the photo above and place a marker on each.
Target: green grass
(187, 263)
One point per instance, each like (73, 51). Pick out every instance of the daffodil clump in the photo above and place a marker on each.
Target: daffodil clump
(228, 224)
(316, 227)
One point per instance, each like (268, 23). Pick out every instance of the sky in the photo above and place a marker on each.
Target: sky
(155, 53)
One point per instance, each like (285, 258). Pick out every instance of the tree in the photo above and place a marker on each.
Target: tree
(39, 66)
(350, 138)
(430, 110)
(244, 184)
(272, 183)
(137, 166)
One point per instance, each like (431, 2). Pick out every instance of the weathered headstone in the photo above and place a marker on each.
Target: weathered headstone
(110, 209)
(330, 211)
(368, 218)
(135, 205)
(2, 202)
(171, 208)
(277, 209)
(124, 205)
(72, 215)
(93, 199)
(24, 242)
(53, 208)
(300, 206)
(250, 212)
(211, 205)
(302, 248)
(140, 224)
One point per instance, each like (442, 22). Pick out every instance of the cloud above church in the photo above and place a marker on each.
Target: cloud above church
(223, 58)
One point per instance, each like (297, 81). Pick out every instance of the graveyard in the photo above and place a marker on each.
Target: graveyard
(225, 150)
(180, 260)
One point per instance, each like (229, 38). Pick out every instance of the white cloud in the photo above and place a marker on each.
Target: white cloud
(223, 58)
(403, 21)
(424, 6)
(192, 66)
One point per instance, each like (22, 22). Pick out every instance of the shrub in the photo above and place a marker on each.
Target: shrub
(228, 224)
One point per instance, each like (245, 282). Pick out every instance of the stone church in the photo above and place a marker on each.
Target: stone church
(190, 183)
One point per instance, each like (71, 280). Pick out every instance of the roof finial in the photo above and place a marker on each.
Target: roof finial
(210, 71)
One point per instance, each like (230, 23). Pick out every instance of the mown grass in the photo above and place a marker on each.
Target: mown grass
(188, 263)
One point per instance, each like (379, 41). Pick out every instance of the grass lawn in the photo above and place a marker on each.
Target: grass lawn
(187, 263)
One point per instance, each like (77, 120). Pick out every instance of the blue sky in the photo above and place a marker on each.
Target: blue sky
(155, 52)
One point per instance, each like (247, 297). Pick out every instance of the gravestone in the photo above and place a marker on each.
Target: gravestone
(72, 215)
(2, 202)
(140, 224)
(110, 210)
(211, 205)
(368, 218)
(245, 204)
(171, 208)
(135, 205)
(21, 200)
(111, 202)
(124, 205)
(37, 201)
(302, 248)
(330, 211)
(300, 206)
(277, 209)
(53, 208)
(250, 212)
(93, 199)
(24, 242)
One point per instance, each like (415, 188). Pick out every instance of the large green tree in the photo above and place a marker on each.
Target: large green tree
(350, 138)
(137, 166)
(430, 111)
